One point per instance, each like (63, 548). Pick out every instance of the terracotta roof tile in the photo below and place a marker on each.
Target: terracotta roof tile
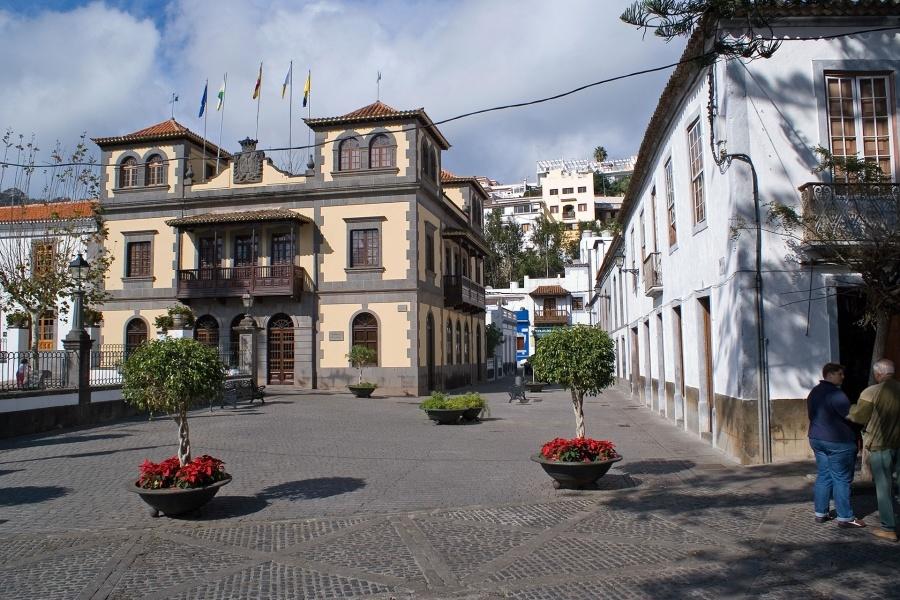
(376, 109)
(166, 130)
(549, 290)
(246, 216)
(51, 211)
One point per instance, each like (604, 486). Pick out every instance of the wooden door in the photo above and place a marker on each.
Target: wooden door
(429, 350)
(47, 333)
(708, 417)
(281, 350)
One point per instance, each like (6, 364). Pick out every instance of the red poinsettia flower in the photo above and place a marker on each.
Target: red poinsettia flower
(578, 450)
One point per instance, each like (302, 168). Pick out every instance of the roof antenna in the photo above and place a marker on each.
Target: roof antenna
(378, 83)
(172, 102)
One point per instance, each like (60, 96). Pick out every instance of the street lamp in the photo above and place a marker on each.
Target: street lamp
(620, 262)
(79, 269)
(247, 321)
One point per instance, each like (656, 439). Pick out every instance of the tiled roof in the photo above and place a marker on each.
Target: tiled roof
(448, 177)
(246, 216)
(684, 74)
(167, 130)
(379, 111)
(52, 211)
(549, 290)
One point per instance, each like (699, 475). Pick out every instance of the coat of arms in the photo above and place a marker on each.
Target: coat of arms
(249, 163)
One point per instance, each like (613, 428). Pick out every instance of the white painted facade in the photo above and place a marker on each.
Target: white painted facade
(775, 111)
(505, 352)
(518, 211)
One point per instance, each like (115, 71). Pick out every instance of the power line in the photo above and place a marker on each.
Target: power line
(699, 57)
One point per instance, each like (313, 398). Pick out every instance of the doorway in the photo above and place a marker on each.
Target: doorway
(280, 344)
(855, 341)
(678, 344)
(707, 408)
(661, 367)
(635, 362)
(429, 350)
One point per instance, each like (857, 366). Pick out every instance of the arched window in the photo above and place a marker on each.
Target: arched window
(466, 344)
(434, 166)
(458, 343)
(206, 331)
(156, 170)
(381, 152)
(135, 335)
(365, 331)
(128, 176)
(449, 342)
(349, 155)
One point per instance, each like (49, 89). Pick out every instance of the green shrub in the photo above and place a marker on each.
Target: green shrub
(437, 401)
(18, 319)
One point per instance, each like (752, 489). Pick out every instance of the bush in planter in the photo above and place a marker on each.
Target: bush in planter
(581, 359)
(437, 401)
(169, 376)
(201, 471)
(18, 320)
(167, 321)
(359, 357)
(579, 450)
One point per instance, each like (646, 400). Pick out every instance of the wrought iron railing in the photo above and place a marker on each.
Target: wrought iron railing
(653, 282)
(259, 280)
(35, 370)
(849, 212)
(551, 316)
(106, 364)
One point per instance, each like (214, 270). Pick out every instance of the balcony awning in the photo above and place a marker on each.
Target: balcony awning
(467, 238)
(550, 290)
(247, 216)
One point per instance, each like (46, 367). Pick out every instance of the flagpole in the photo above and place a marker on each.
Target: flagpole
(221, 120)
(291, 117)
(205, 117)
(308, 108)
(258, 100)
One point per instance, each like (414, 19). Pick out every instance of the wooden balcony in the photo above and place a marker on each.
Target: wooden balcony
(551, 316)
(462, 293)
(234, 282)
(653, 283)
(849, 212)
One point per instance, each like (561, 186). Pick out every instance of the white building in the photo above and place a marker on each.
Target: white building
(520, 212)
(568, 189)
(682, 307)
(32, 232)
(504, 357)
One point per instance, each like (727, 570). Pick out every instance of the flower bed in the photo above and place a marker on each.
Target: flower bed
(579, 450)
(200, 472)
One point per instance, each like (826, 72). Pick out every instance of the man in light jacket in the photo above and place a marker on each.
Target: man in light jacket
(878, 410)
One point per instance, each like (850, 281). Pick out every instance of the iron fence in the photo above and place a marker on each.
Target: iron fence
(106, 364)
(43, 370)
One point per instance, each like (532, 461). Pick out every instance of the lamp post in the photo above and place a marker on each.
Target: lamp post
(78, 268)
(78, 343)
(247, 335)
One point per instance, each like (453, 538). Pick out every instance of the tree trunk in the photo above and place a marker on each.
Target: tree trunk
(184, 440)
(882, 323)
(578, 406)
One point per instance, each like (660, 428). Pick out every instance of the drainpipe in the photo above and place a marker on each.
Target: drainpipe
(722, 158)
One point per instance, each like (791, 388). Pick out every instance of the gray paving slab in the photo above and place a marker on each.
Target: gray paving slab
(335, 497)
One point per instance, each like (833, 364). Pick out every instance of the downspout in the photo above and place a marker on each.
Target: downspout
(723, 158)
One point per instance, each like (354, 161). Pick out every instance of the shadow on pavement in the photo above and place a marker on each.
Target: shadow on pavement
(309, 489)
(52, 440)
(656, 467)
(85, 454)
(226, 507)
(8, 471)
(30, 494)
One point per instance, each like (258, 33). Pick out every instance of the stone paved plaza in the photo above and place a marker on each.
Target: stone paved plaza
(335, 497)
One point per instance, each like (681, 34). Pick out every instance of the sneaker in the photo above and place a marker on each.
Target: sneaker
(831, 515)
(884, 534)
(854, 524)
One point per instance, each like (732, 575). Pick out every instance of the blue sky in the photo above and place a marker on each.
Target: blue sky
(109, 67)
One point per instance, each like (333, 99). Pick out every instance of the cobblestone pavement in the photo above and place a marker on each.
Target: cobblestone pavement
(335, 497)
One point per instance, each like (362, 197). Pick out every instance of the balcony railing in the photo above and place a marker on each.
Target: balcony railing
(234, 282)
(653, 283)
(551, 316)
(568, 214)
(849, 212)
(462, 293)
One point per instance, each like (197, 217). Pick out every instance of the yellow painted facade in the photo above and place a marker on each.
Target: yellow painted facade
(393, 327)
(402, 160)
(394, 244)
(112, 171)
(163, 256)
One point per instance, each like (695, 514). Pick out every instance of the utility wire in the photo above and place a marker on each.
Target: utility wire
(699, 57)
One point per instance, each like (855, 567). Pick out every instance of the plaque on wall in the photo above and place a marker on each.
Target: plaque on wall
(248, 164)
(335, 336)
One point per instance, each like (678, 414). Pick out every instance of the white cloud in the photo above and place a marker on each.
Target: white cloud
(101, 69)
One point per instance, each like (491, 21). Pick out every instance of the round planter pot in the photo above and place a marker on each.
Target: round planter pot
(536, 386)
(445, 416)
(574, 474)
(471, 414)
(177, 501)
(361, 391)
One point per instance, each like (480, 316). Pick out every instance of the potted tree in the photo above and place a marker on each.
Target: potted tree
(582, 360)
(359, 357)
(170, 376)
(534, 385)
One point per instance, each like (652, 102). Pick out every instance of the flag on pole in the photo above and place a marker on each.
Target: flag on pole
(221, 96)
(306, 88)
(287, 80)
(203, 100)
(258, 83)
(379, 77)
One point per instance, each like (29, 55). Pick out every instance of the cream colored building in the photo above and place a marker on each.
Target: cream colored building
(568, 190)
(373, 245)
